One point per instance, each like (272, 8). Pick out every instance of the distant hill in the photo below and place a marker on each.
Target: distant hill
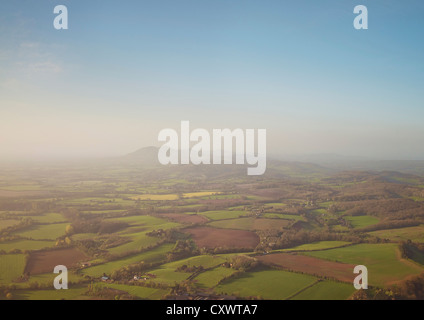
(279, 167)
(147, 156)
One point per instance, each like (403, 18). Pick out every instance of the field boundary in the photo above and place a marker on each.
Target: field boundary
(304, 289)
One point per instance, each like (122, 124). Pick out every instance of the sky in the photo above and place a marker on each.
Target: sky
(124, 70)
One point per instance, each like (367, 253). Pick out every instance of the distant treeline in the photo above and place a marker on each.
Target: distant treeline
(27, 205)
(390, 224)
(395, 209)
(291, 238)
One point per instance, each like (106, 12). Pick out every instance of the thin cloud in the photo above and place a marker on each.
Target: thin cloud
(34, 59)
(46, 67)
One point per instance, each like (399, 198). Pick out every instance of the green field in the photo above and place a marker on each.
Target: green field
(138, 291)
(283, 216)
(47, 279)
(167, 273)
(70, 294)
(5, 223)
(136, 232)
(361, 221)
(11, 267)
(320, 245)
(268, 284)
(21, 187)
(43, 232)
(326, 290)
(415, 234)
(297, 209)
(250, 223)
(275, 205)
(207, 261)
(83, 236)
(210, 278)
(137, 242)
(148, 223)
(49, 218)
(382, 260)
(154, 255)
(200, 194)
(168, 276)
(103, 212)
(224, 214)
(156, 197)
(25, 245)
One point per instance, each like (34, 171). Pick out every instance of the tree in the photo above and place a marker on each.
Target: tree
(69, 229)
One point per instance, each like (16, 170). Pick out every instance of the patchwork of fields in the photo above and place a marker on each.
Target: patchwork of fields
(145, 235)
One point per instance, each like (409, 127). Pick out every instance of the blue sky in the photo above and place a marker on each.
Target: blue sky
(127, 69)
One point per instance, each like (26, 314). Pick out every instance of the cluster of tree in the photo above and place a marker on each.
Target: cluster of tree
(182, 249)
(185, 287)
(294, 237)
(223, 250)
(97, 225)
(64, 241)
(106, 293)
(6, 293)
(390, 224)
(13, 251)
(231, 276)
(410, 289)
(24, 223)
(168, 235)
(242, 263)
(297, 210)
(90, 247)
(190, 269)
(395, 208)
(128, 272)
(409, 249)
(36, 207)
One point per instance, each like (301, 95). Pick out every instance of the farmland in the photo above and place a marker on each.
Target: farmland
(227, 238)
(267, 284)
(11, 267)
(310, 265)
(377, 258)
(251, 224)
(154, 255)
(326, 290)
(44, 232)
(320, 245)
(402, 234)
(45, 261)
(125, 232)
(362, 221)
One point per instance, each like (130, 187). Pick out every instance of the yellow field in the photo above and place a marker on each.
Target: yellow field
(200, 194)
(156, 197)
(164, 197)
